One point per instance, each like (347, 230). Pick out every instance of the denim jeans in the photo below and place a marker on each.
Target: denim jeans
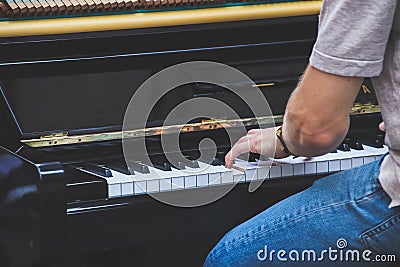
(341, 220)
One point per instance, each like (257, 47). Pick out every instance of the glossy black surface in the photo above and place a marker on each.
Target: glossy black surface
(72, 76)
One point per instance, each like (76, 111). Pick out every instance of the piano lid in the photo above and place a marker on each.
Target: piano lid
(95, 104)
(85, 86)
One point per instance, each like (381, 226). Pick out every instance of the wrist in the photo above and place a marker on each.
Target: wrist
(281, 150)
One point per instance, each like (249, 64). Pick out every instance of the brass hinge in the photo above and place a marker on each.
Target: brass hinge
(364, 109)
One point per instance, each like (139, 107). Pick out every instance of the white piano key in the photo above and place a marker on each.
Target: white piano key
(238, 176)
(357, 161)
(323, 166)
(179, 179)
(334, 165)
(153, 186)
(298, 169)
(165, 184)
(374, 152)
(188, 175)
(114, 190)
(287, 170)
(263, 171)
(225, 174)
(127, 189)
(275, 171)
(345, 164)
(190, 181)
(140, 187)
(178, 183)
(310, 167)
(227, 178)
(202, 180)
(214, 178)
(126, 182)
(251, 174)
(214, 173)
(344, 157)
(356, 157)
(150, 182)
(250, 170)
(146, 182)
(369, 159)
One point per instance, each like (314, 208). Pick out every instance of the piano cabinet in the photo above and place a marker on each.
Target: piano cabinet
(61, 78)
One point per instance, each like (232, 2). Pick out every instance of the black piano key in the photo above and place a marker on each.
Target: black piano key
(179, 165)
(192, 161)
(137, 167)
(175, 161)
(344, 147)
(217, 162)
(120, 167)
(161, 164)
(375, 140)
(353, 143)
(357, 145)
(192, 164)
(254, 157)
(93, 168)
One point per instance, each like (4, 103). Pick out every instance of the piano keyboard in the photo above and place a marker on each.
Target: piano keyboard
(148, 179)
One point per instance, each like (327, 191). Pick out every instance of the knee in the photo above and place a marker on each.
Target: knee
(223, 252)
(214, 258)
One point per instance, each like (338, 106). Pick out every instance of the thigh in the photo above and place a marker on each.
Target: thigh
(334, 212)
(379, 238)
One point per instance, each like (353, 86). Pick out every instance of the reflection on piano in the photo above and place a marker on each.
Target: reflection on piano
(67, 197)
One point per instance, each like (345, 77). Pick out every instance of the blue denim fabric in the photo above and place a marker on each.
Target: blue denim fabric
(346, 211)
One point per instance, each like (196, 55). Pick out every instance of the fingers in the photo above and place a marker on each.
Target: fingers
(382, 127)
(259, 141)
(253, 131)
(241, 146)
(247, 143)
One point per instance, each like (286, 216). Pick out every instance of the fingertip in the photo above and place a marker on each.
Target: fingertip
(227, 158)
(229, 164)
(252, 131)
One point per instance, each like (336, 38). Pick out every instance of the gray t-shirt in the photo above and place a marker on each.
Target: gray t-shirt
(361, 38)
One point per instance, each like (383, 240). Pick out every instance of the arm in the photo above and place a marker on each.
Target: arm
(315, 122)
(317, 114)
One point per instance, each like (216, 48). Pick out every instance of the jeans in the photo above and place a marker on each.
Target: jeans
(341, 220)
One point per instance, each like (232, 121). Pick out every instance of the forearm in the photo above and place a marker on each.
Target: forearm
(317, 114)
(312, 138)
(315, 122)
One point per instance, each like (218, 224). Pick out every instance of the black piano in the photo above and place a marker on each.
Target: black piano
(68, 70)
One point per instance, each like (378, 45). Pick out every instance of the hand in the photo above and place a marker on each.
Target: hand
(382, 127)
(261, 141)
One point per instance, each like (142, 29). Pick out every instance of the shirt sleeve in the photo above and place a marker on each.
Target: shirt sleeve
(352, 37)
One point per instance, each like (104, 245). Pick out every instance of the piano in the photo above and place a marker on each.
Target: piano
(68, 70)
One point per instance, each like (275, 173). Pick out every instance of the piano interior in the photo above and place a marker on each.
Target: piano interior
(67, 72)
